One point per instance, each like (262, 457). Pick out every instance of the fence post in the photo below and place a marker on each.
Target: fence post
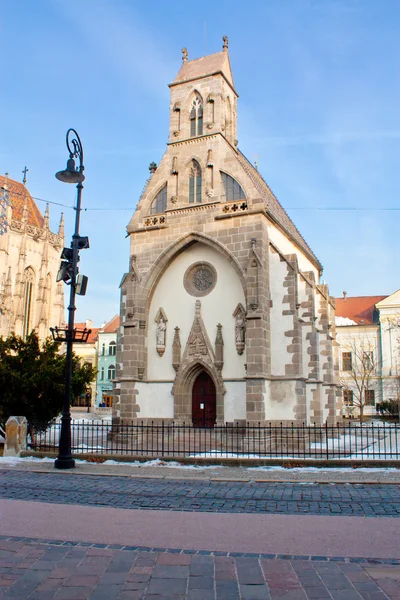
(162, 439)
(326, 440)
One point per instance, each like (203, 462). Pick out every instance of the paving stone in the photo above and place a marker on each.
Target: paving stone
(201, 583)
(254, 592)
(346, 595)
(167, 571)
(165, 587)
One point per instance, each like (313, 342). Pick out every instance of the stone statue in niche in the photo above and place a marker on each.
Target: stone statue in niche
(161, 327)
(240, 328)
(161, 331)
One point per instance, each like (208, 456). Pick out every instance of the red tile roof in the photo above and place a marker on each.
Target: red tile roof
(111, 326)
(358, 308)
(18, 196)
(92, 335)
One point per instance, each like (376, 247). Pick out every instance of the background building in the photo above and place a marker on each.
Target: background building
(87, 354)
(223, 314)
(30, 297)
(368, 334)
(106, 362)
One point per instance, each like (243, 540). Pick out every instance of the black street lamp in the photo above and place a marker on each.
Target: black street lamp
(68, 273)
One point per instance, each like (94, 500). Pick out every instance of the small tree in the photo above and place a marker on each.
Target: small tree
(360, 372)
(32, 379)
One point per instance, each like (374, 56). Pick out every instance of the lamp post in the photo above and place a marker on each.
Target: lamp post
(71, 174)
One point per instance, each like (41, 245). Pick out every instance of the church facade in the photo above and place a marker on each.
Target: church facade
(30, 297)
(223, 315)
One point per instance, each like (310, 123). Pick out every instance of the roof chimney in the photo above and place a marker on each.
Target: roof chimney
(344, 295)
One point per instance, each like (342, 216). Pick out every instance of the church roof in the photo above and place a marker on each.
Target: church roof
(359, 309)
(275, 210)
(19, 195)
(206, 65)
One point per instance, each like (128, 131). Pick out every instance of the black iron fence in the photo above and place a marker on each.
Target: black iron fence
(351, 441)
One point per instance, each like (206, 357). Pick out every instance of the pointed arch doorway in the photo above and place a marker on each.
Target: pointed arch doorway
(204, 403)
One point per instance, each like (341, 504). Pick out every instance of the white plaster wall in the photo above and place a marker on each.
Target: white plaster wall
(179, 307)
(155, 399)
(286, 246)
(279, 323)
(280, 402)
(235, 400)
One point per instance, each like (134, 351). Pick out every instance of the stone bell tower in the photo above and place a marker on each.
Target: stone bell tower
(222, 315)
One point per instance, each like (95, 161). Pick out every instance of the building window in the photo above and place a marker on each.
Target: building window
(111, 372)
(231, 189)
(29, 277)
(368, 360)
(159, 204)
(102, 374)
(347, 397)
(195, 183)
(112, 349)
(196, 116)
(369, 397)
(346, 361)
(103, 349)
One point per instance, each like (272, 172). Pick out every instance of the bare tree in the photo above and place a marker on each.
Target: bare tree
(359, 372)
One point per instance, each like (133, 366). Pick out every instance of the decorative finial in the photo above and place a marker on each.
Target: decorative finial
(25, 172)
(184, 54)
(5, 186)
(152, 167)
(256, 163)
(226, 41)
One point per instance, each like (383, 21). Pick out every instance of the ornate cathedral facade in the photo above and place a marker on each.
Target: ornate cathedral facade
(30, 297)
(223, 315)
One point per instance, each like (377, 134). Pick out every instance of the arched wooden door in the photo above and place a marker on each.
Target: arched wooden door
(204, 405)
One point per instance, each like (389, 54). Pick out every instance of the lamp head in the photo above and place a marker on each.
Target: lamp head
(70, 175)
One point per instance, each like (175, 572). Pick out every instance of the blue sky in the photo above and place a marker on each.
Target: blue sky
(319, 87)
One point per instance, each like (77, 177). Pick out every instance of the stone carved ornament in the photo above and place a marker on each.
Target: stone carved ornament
(161, 331)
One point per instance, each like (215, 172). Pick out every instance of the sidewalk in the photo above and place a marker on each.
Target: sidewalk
(80, 552)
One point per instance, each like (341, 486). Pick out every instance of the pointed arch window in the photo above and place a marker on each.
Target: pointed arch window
(195, 182)
(29, 278)
(159, 204)
(231, 188)
(196, 116)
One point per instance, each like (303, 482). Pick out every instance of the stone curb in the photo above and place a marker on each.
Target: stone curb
(309, 557)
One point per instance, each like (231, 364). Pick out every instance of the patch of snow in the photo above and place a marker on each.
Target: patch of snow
(343, 321)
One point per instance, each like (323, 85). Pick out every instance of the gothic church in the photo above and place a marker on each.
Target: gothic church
(223, 315)
(30, 297)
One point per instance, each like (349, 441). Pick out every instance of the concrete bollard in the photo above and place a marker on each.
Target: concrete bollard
(16, 429)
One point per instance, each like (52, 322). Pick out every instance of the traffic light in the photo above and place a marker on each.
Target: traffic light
(65, 270)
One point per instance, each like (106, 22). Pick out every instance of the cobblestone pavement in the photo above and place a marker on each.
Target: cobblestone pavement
(66, 571)
(380, 500)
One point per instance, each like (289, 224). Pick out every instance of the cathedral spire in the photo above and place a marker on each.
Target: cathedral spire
(61, 228)
(46, 225)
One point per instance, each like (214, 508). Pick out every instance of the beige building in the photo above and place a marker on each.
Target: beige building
(30, 297)
(223, 315)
